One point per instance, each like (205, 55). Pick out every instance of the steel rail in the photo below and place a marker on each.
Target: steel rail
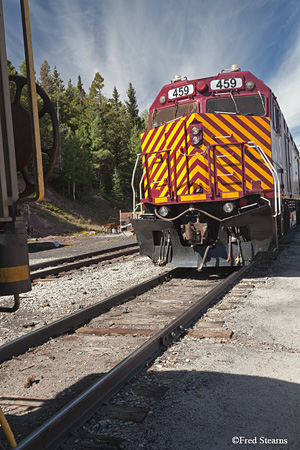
(56, 266)
(58, 429)
(66, 259)
(70, 322)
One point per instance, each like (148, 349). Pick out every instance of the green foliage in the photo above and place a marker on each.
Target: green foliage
(46, 79)
(11, 69)
(100, 137)
(52, 207)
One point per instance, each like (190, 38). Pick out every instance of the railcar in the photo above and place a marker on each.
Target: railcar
(220, 173)
(24, 164)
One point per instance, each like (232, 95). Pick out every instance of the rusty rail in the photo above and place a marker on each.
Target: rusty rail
(58, 429)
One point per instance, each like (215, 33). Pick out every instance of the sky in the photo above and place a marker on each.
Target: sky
(147, 42)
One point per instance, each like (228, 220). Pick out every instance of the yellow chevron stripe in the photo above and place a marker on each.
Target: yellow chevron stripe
(247, 134)
(229, 131)
(265, 137)
(163, 168)
(263, 122)
(264, 171)
(235, 148)
(149, 135)
(205, 185)
(254, 177)
(164, 192)
(155, 144)
(174, 131)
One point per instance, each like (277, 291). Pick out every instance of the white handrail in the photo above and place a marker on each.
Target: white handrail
(132, 185)
(277, 203)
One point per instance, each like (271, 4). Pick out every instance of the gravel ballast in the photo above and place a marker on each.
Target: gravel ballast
(225, 394)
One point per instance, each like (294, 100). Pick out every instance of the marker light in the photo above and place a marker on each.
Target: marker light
(228, 207)
(201, 86)
(243, 202)
(162, 99)
(250, 85)
(163, 211)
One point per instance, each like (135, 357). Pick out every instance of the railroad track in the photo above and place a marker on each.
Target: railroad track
(117, 344)
(56, 266)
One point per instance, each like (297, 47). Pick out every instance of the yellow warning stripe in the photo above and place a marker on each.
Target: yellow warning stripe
(265, 122)
(248, 135)
(14, 274)
(266, 172)
(264, 136)
(161, 199)
(230, 194)
(190, 198)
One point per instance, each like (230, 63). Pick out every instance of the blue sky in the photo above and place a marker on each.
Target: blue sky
(147, 42)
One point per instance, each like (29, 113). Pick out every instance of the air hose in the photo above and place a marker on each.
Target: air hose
(171, 219)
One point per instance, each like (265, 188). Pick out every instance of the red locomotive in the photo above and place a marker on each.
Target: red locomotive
(220, 178)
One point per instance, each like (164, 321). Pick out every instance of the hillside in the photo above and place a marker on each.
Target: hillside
(58, 215)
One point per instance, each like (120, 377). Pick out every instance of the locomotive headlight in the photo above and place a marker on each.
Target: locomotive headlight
(228, 207)
(195, 140)
(164, 211)
(195, 130)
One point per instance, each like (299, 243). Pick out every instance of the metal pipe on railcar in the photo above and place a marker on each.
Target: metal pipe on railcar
(20, 157)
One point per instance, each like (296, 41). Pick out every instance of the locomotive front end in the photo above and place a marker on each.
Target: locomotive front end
(210, 194)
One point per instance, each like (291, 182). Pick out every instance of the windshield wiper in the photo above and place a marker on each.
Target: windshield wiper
(224, 112)
(262, 101)
(232, 97)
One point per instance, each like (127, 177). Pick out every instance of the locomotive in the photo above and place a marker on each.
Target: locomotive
(220, 173)
(24, 164)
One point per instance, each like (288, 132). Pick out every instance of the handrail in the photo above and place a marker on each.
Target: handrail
(132, 184)
(243, 145)
(277, 202)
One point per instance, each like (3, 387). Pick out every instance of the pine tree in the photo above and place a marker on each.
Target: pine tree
(80, 88)
(97, 85)
(46, 79)
(132, 107)
(117, 196)
(116, 99)
(58, 89)
(23, 70)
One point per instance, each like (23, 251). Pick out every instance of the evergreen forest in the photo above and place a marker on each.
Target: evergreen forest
(100, 137)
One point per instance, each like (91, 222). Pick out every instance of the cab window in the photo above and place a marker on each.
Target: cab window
(163, 116)
(246, 105)
(276, 116)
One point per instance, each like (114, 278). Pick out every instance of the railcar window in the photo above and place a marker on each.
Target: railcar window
(246, 105)
(162, 116)
(276, 116)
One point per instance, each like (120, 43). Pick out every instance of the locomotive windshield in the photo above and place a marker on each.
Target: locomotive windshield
(163, 116)
(253, 105)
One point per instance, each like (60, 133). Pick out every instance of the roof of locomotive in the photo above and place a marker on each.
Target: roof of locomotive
(203, 87)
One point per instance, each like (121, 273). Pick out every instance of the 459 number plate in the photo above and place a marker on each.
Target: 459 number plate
(181, 91)
(226, 83)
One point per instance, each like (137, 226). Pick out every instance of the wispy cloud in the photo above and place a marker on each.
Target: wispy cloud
(148, 42)
(286, 86)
